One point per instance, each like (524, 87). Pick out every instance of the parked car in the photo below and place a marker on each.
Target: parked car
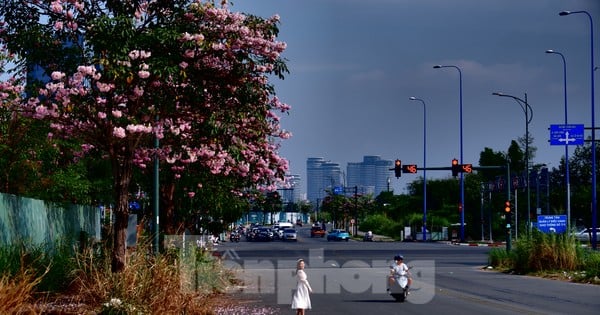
(585, 234)
(338, 235)
(317, 231)
(290, 235)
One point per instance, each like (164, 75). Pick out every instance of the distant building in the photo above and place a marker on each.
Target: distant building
(370, 176)
(321, 175)
(292, 193)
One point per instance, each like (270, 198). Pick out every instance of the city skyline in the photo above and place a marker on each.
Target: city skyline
(370, 176)
(355, 64)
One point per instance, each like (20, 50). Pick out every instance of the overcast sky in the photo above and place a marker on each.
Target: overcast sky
(355, 63)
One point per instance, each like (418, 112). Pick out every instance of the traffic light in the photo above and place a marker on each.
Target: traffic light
(455, 167)
(409, 168)
(398, 168)
(507, 206)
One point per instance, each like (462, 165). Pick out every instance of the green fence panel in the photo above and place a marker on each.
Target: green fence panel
(38, 222)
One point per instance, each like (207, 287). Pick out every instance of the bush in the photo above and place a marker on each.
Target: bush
(51, 263)
(380, 224)
(548, 253)
(500, 258)
(171, 283)
(185, 281)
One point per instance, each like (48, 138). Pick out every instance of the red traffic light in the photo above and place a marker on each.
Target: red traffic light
(455, 167)
(398, 168)
(507, 207)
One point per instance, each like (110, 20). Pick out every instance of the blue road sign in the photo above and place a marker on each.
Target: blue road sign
(552, 223)
(566, 134)
(338, 190)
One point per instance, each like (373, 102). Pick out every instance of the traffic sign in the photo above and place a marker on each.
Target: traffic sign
(552, 223)
(566, 134)
(409, 168)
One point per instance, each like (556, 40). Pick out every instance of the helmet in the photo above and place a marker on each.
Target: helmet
(398, 257)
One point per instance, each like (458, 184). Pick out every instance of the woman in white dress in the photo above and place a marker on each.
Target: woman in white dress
(301, 298)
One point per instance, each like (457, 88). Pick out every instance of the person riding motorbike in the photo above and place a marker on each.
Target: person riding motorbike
(398, 270)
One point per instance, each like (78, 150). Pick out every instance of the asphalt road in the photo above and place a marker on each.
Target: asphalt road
(349, 278)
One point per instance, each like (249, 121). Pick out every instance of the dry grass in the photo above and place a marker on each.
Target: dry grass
(171, 283)
(17, 293)
(167, 284)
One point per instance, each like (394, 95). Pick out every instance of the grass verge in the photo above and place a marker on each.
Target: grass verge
(549, 255)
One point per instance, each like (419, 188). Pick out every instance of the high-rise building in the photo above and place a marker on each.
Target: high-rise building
(371, 175)
(291, 191)
(321, 175)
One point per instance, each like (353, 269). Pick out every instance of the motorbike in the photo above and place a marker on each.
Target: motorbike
(397, 287)
(368, 237)
(234, 237)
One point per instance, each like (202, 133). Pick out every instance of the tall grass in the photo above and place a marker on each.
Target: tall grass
(33, 279)
(171, 283)
(548, 253)
(17, 292)
(51, 262)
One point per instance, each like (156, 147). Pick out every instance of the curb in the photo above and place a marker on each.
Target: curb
(479, 244)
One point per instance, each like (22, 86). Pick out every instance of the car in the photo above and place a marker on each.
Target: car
(317, 231)
(263, 235)
(585, 234)
(338, 235)
(290, 235)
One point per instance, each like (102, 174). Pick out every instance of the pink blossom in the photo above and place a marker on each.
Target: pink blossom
(119, 132)
(143, 74)
(57, 75)
(56, 7)
(101, 115)
(72, 25)
(191, 194)
(58, 25)
(117, 113)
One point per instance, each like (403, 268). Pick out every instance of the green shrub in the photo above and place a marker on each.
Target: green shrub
(591, 264)
(51, 262)
(500, 258)
(548, 253)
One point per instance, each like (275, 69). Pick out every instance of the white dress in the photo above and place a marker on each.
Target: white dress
(301, 298)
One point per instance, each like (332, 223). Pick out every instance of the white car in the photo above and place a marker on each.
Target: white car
(584, 235)
(290, 235)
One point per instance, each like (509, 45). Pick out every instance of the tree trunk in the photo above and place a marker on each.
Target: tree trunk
(167, 193)
(123, 172)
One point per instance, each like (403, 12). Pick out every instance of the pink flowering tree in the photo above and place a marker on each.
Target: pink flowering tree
(193, 74)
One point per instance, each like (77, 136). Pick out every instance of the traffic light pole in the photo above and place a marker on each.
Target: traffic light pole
(508, 215)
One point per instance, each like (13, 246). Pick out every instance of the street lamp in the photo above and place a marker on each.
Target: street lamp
(567, 176)
(461, 206)
(527, 110)
(412, 98)
(592, 67)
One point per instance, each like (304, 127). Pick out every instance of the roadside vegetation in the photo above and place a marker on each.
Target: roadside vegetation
(549, 255)
(63, 278)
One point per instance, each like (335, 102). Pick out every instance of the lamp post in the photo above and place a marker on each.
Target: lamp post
(567, 176)
(412, 98)
(592, 68)
(527, 110)
(461, 206)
